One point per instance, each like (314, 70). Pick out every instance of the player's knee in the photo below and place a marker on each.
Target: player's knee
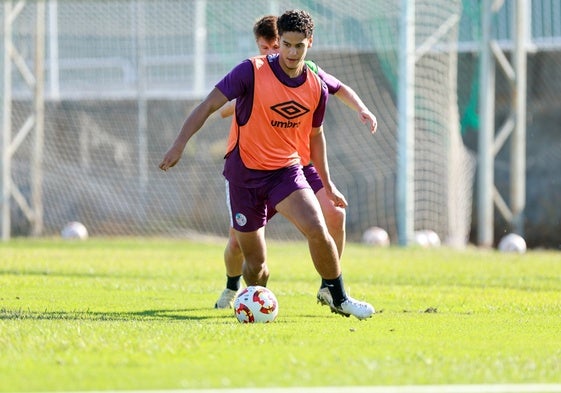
(233, 245)
(317, 232)
(256, 272)
(335, 217)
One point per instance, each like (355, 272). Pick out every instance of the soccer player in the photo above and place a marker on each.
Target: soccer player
(266, 38)
(263, 165)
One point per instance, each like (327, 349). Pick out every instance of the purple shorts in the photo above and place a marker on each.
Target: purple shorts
(249, 207)
(313, 180)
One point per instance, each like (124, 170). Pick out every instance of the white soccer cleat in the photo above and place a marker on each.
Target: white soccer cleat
(226, 299)
(324, 297)
(361, 310)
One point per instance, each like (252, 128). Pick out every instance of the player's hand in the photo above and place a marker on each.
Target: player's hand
(368, 118)
(337, 197)
(171, 158)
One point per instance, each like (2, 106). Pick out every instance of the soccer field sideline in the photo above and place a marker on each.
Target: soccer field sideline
(468, 388)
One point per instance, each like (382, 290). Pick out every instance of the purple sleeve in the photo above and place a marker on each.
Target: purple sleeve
(238, 81)
(238, 84)
(333, 84)
(319, 113)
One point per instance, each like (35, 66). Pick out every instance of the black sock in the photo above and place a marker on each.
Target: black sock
(233, 283)
(323, 284)
(337, 290)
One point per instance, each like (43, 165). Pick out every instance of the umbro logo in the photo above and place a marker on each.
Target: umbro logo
(290, 109)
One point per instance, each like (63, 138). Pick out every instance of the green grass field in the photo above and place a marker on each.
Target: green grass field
(137, 314)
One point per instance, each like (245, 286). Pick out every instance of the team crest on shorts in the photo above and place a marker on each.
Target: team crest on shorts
(241, 219)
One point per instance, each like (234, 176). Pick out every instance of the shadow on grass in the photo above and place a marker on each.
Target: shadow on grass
(73, 275)
(133, 316)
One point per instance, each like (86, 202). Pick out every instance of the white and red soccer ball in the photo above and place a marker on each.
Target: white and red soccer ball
(256, 304)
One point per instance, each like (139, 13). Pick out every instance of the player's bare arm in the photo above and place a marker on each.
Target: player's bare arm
(350, 98)
(318, 154)
(228, 109)
(214, 101)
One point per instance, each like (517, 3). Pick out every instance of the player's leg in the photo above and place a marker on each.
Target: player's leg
(335, 221)
(233, 261)
(302, 208)
(334, 215)
(233, 257)
(335, 218)
(255, 269)
(248, 217)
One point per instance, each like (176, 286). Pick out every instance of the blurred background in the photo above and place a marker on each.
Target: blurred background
(93, 94)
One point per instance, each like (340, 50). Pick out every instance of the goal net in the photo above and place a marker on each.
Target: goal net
(120, 77)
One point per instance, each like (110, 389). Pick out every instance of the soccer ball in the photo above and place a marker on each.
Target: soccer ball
(376, 236)
(74, 230)
(256, 304)
(512, 243)
(433, 238)
(421, 239)
(427, 238)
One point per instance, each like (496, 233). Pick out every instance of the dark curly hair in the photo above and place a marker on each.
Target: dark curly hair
(296, 21)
